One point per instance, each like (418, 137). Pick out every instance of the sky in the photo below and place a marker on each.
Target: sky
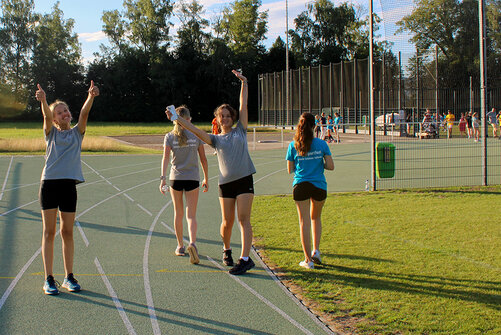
(88, 25)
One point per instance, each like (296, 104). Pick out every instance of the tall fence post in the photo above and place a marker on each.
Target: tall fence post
(483, 79)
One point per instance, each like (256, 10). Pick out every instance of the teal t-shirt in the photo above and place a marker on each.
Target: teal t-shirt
(310, 168)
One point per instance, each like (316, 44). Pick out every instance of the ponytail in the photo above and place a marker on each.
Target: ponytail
(304, 134)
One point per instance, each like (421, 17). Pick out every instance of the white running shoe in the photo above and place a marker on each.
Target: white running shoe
(315, 256)
(307, 265)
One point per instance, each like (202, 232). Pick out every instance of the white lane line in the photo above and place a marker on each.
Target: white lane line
(263, 299)
(114, 297)
(6, 177)
(144, 209)
(146, 274)
(86, 241)
(14, 282)
(15, 209)
(268, 175)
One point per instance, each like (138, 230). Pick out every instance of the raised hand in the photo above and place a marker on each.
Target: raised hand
(93, 90)
(239, 75)
(40, 94)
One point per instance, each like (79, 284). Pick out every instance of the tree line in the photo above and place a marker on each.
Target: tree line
(146, 66)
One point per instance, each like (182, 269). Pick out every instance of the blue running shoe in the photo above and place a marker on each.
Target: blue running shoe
(50, 286)
(71, 284)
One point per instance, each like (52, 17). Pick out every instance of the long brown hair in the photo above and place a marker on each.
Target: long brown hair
(304, 134)
(183, 112)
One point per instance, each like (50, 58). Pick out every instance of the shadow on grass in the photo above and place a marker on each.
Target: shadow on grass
(437, 286)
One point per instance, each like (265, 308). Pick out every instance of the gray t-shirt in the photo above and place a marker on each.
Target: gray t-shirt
(233, 155)
(184, 159)
(62, 155)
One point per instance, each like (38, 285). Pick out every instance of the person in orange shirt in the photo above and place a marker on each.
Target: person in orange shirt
(215, 130)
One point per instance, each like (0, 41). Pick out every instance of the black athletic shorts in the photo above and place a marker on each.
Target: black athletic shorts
(184, 185)
(237, 187)
(58, 193)
(306, 190)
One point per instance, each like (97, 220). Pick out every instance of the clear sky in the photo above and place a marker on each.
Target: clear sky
(87, 15)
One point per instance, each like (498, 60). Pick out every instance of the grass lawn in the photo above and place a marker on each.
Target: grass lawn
(411, 262)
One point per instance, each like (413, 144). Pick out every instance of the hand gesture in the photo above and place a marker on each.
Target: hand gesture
(40, 94)
(205, 185)
(93, 90)
(239, 75)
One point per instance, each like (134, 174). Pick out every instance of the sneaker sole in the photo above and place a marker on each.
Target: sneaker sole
(50, 293)
(241, 272)
(194, 259)
(71, 290)
(316, 260)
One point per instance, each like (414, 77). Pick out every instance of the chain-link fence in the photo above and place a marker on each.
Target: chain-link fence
(414, 73)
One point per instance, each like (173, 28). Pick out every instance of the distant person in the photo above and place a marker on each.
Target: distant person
(318, 126)
(493, 120)
(215, 130)
(61, 173)
(184, 180)
(330, 129)
(323, 124)
(449, 119)
(236, 185)
(338, 120)
(475, 126)
(469, 125)
(307, 157)
(462, 125)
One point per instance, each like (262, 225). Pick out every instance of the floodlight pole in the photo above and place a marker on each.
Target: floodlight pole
(371, 97)
(287, 62)
(483, 79)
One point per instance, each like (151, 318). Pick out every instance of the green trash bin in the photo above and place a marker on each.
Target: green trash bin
(385, 160)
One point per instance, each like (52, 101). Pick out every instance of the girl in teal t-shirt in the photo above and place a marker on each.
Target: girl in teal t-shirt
(308, 157)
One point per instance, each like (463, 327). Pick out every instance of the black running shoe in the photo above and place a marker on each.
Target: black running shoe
(242, 267)
(227, 259)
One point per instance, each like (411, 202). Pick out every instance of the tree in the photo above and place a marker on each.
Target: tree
(321, 33)
(452, 26)
(148, 23)
(243, 27)
(56, 60)
(16, 44)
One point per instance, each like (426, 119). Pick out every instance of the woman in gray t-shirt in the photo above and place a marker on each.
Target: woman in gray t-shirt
(236, 186)
(184, 180)
(61, 172)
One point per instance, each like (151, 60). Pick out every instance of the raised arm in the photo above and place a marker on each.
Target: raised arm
(84, 112)
(189, 126)
(46, 112)
(244, 96)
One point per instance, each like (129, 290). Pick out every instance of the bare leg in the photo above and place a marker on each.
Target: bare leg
(49, 218)
(244, 207)
(303, 212)
(228, 218)
(67, 220)
(316, 220)
(177, 199)
(191, 213)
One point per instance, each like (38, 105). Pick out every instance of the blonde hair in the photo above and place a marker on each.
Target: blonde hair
(183, 112)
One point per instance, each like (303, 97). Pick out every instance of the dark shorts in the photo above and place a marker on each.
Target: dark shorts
(237, 187)
(184, 185)
(305, 190)
(58, 193)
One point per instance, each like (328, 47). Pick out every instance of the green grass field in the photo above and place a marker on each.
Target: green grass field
(411, 262)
